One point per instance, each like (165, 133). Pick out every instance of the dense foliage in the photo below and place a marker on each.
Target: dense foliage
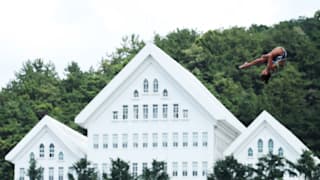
(292, 95)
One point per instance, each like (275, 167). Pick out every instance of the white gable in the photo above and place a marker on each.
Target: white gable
(180, 75)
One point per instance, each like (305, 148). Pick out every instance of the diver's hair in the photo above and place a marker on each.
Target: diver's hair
(265, 77)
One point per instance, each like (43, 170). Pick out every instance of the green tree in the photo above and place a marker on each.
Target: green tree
(119, 170)
(307, 166)
(83, 171)
(34, 173)
(156, 172)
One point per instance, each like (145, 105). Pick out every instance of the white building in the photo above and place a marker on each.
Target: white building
(156, 109)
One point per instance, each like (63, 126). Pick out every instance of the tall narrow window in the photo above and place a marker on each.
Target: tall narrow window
(145, 111)
(135, 140)
(135, 111)
(124, 141)
(176, 111)
(22, 174)
(105, 139)
(185, 114)
(41, 151)
(115, 141)
(184, 168)
(250, 152)
(135, 93)
(165, 111)
(204, 168)
(51, 151)
(185, 139)
(164, 139)
(60, 173)
(145, 86)
(115, 115)
(61, 156)
(32, 156)
(270, 146)
(165, 93)
(195, 139)
(154, 140)
(155, 111)
(175, 139)
(51, 173)
(41, 173)
(125, 112)
(280, 152)
(144, 165)
(95, 141)
(96, 169)
(155, 86)
(144, 140)
(260, 146)
(194, 168)
(175, 169)
(134, 170)
(204, 139)
(104, 169)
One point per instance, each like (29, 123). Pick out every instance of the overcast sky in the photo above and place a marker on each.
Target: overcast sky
(61, 31)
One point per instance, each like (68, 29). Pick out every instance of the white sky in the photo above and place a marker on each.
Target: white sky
(84, 31)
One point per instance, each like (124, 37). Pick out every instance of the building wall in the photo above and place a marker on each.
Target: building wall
(197, 121)
(45, 137)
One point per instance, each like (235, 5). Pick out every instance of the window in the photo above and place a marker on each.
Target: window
(184, 169)
(61, 156)
(165, 111)
(115, 141)
(280, 152)
(194, 168)
(260, 146)
(164, 139)
(204, 168)
(185, 114)
(185, 139)
(124, 140)
(96, 168)
(250, 152)
(51, 173)
(22, 174)
(144, 166)
(135, 93)
(204, 139)
(155, 111)
(41, 173)
(145, 86)
(145, 111)
(104, 168)
(155, 85)
(95, 141)
(176, 111)
(41, 151)
(135, 111)
(195, 139)
(154, 140)
(105, 141)
(165, 93)
(71, 170)
(115, 115)
(135, 140)
(60, 173)
(145, 140)
(174, 169)
(125, 112)
(51, 151)
(31, 156)
(270, 146)
(175, 139)
(134, 170)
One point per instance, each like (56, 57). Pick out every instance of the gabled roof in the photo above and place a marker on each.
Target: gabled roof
(73, 140)
(182, 77)
(265, 117)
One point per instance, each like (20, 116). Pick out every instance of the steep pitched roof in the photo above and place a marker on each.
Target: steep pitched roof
(182, 76)
(75, 142)
(265, 117)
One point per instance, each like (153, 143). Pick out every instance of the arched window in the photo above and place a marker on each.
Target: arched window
(270, 146)
(41, 150)
(165, 93)
(145, 86)
(61, 156)
(155, 85)
(135, 93)
(250, 152)
(31, 156)
(280, 152)
(260, 146)
(51, 151)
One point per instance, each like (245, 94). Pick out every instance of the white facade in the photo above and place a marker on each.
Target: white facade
(155, 109)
